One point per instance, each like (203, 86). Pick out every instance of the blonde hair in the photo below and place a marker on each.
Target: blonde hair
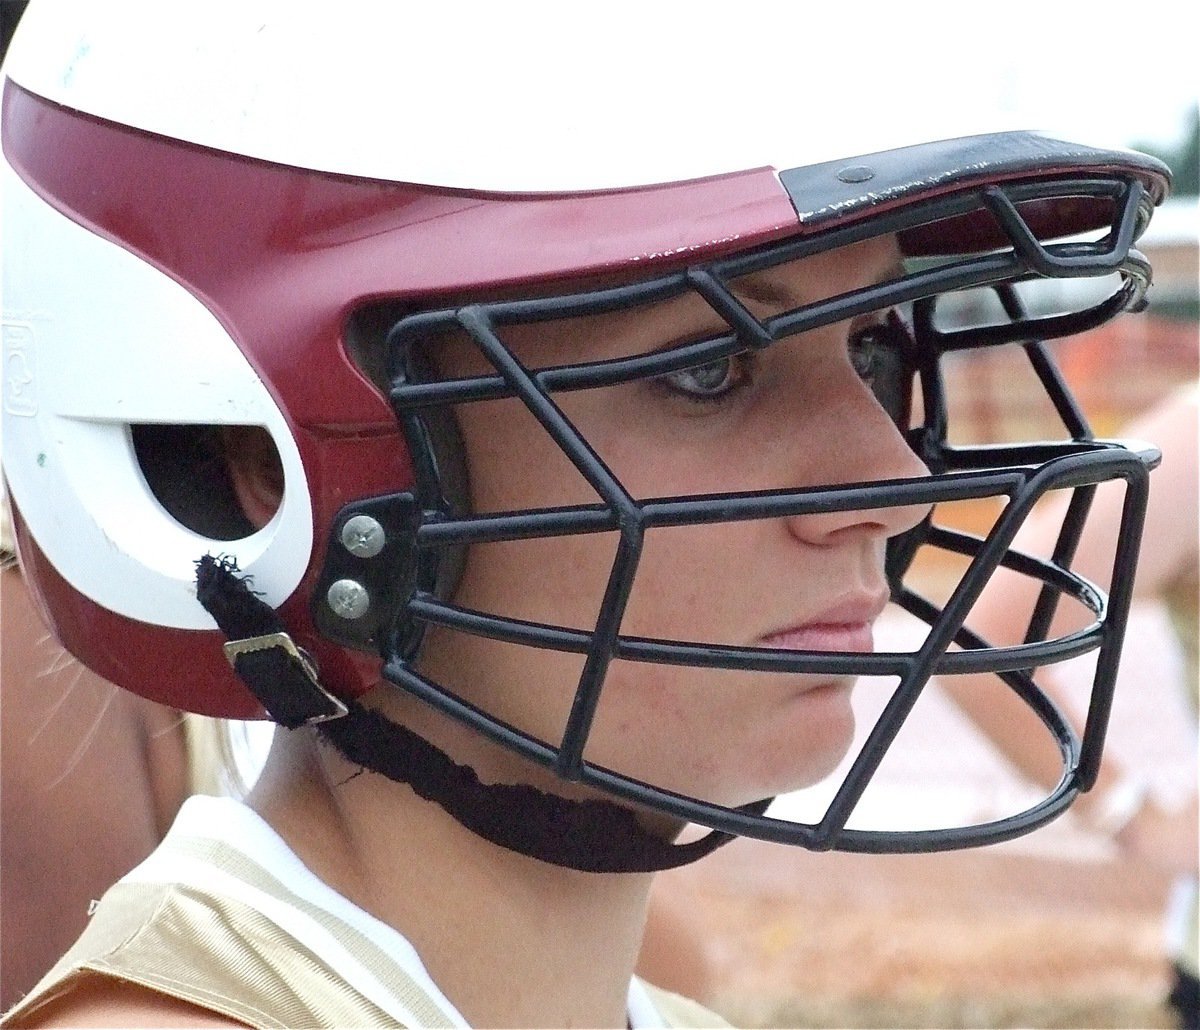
(8, 542)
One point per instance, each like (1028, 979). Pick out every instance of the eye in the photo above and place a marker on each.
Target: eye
(709, 382)
(867, 346)
(882, 356)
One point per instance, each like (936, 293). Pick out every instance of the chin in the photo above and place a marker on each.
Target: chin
(801, 745)
(815, 735)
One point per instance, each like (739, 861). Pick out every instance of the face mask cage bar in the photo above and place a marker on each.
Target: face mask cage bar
(425, 527)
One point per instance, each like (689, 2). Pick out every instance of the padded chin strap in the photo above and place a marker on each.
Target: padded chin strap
(592, 836)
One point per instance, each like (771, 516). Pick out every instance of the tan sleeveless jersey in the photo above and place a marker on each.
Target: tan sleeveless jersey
(224, 916)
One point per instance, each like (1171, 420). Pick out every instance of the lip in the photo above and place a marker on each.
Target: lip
(846, 626)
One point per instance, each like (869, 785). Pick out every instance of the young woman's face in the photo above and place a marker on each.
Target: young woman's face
(800, 413)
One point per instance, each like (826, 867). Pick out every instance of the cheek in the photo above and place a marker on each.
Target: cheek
(515, 466)
(555, 580)
(653, 724)
(726, 737)
(512, 462)
(705, 582)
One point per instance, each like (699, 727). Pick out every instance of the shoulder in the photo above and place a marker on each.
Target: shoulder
(104, 1002)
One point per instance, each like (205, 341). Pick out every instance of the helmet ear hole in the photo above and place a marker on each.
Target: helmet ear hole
(187, 468)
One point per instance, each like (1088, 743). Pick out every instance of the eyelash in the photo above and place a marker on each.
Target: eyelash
(879, 347)
(738, 371)
(869, 348)
(863, 347)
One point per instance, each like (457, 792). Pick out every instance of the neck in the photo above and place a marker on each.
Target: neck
(559, 945)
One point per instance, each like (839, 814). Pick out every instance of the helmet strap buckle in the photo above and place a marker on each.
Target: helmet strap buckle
(296, 658)
(265, 657)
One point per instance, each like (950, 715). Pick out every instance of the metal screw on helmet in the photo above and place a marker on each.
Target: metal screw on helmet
(363, 537)
(348, 599)
(856, 173)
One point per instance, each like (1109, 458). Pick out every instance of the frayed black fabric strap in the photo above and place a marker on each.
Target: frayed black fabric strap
(260, 651)
(592, 836)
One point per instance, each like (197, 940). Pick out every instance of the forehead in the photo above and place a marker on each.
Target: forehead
(765, 293)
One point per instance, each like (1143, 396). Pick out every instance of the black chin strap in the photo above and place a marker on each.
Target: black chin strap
(593, 836)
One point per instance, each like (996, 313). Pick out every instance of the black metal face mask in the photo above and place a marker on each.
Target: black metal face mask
(404, 552)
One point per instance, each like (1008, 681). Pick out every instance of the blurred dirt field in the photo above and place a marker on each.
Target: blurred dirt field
(983, 939)
(1052, 930)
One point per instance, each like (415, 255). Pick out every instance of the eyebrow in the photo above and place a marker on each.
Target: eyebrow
(767, 292)
(762, 293)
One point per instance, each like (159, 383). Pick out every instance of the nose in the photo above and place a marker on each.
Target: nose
(857, 442)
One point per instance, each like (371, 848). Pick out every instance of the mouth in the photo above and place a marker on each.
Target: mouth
(848, 626)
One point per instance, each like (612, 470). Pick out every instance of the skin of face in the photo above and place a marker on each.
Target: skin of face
(800, 415)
